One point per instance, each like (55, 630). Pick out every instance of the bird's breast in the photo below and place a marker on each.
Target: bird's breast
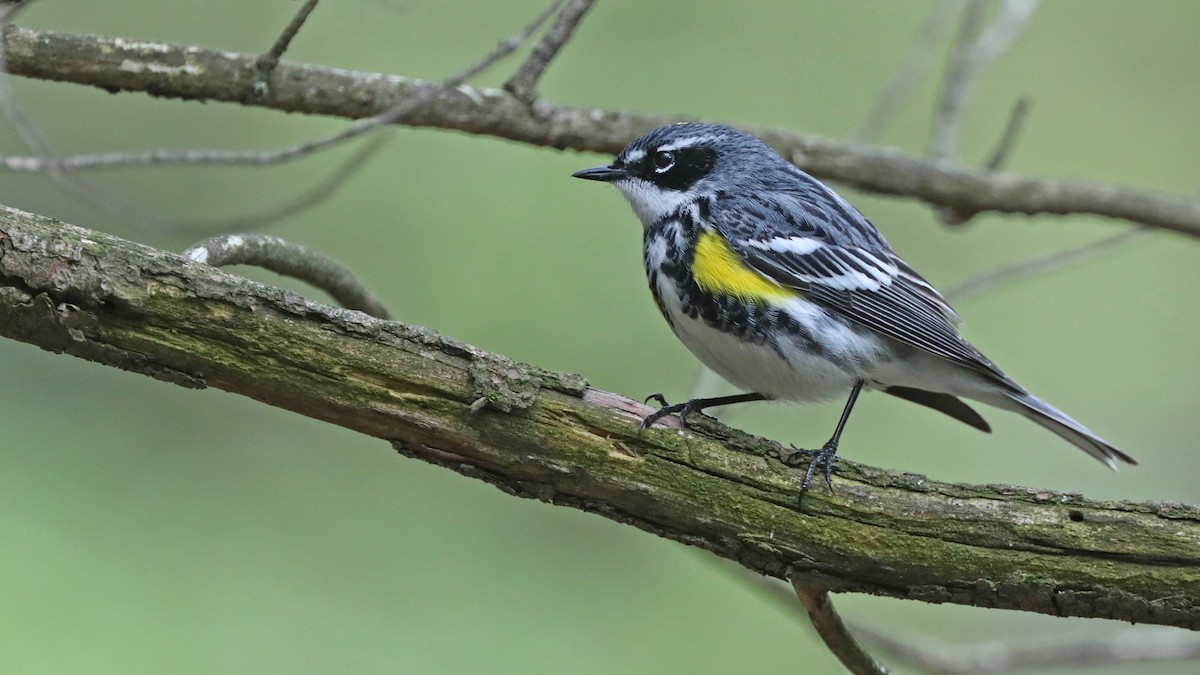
(754, 333)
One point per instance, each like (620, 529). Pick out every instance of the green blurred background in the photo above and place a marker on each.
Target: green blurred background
(147, 528)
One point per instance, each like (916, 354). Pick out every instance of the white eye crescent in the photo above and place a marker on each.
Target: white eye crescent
(663, 161)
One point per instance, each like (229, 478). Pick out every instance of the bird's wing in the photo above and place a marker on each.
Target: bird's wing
(865, 282)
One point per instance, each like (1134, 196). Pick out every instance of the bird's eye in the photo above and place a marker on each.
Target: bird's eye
(663, 161)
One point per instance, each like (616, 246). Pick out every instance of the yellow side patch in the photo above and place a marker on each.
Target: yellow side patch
(718, 270)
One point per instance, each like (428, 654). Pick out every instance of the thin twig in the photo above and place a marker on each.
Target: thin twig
(916, 63)
(505, 47)
(46, 161)
(21, 123)
(57, 167)
(999, 37)
(947, 122)
(834, 633)
(974, 50)
(61, 170)
(523, 83)
(290, 260)
(267, 62)
(1128, 645)
(37, 143)
(307, 199)
(999, 156)
(1142, 644)
(1043, 264)
(289, 33)
(502, 49)
(1008, 139)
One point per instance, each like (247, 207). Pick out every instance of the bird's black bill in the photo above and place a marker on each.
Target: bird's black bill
(606, 174)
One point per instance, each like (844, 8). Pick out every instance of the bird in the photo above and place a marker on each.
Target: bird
(788, 292)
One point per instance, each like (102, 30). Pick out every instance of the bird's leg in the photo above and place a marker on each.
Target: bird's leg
(688, 407)
(827, 453)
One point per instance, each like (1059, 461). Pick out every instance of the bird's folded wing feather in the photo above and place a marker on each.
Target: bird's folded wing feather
(867, 284)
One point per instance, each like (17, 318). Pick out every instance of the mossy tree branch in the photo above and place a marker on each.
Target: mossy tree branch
(545, 435)
(186, 72)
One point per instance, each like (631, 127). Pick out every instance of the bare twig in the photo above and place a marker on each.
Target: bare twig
(947, 121)
(833, 631)
(24, 127)
(505, 47)
(44, 157)
(37, 143)
(398, 110)
(1043, 264)
(1008, 139)
(999, 37)
(1142, 644)
(915, 65)
(46, 161)
(974, 50)
(269, 60)
(61, 169)
(317, 194)
(1000, 155)
(523, 83)
(291, 260)
(58, 167)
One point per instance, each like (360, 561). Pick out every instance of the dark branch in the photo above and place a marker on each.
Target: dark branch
(191, 73)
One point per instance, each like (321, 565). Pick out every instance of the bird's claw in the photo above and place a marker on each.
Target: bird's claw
(823, 457)
(658, 398)
(683, 409)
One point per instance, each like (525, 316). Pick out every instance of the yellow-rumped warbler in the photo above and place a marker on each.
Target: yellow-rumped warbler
(788, 292)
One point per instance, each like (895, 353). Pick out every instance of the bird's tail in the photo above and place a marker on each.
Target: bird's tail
(1060, 423)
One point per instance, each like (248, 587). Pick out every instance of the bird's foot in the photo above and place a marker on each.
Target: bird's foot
(815, 458)
(682, 409)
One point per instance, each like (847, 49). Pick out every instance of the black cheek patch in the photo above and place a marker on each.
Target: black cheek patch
(691, 164)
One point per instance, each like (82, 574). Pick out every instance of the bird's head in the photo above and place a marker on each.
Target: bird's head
(674, 165)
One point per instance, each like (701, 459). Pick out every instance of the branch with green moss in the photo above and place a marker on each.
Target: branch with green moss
(547, 435)
(186, 72)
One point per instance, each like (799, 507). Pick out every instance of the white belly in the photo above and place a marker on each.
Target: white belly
(785, 371)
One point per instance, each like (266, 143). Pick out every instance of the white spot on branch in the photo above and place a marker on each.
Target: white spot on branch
(131, 66)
